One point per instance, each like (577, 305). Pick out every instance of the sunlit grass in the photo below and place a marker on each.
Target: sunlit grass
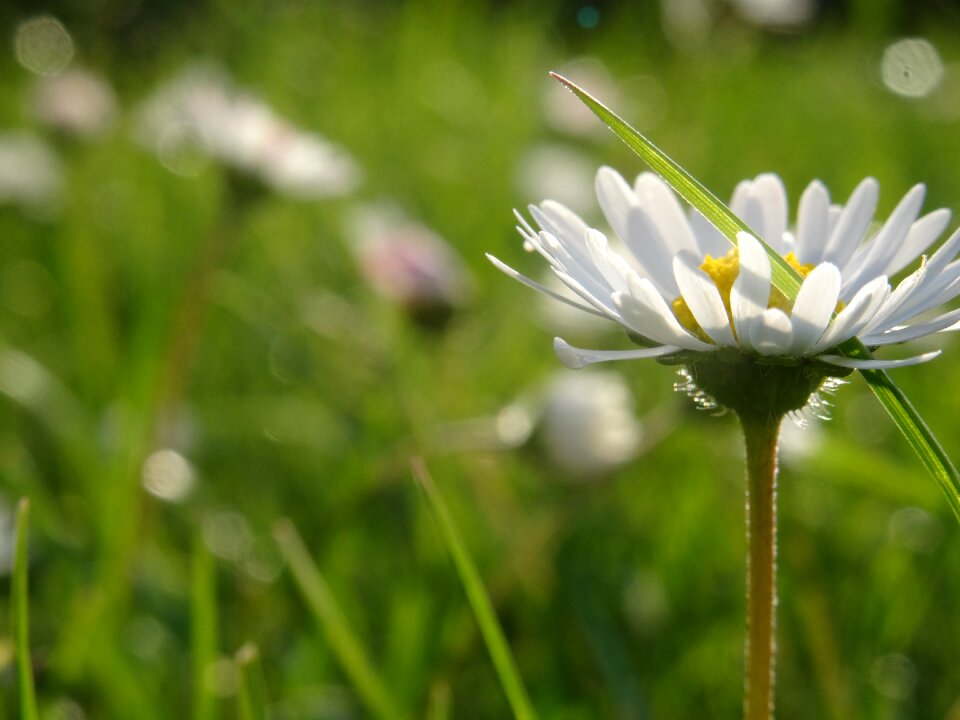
(304, 396)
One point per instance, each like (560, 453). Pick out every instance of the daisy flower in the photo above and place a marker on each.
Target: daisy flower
(679, 288)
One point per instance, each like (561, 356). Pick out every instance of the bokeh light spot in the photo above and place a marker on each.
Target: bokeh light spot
(167, 475)
(894, 676)
(911, 67)
(227, 534)
(588, 17)
(43, 45)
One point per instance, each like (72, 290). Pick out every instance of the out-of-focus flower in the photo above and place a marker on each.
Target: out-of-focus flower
(777, 14)
(686, 23)
(31, 174)
(408, 263)
(201, 111)
(77, 102)
(559, 172)
(588, 424)
(564, 112)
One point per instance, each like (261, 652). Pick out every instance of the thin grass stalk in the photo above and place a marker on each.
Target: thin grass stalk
(479, 599)
(203, 629)
(251, 695)
(20, 605)
(343, 641)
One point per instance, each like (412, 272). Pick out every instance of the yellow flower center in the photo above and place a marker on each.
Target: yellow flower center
(723, 271)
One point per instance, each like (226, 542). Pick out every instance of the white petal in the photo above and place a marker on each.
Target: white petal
(564, 264)
(503, 267)
(852, 223)
(944, 254)
(772, 333)
(770, 193)
(710, 241)
(576, 358)
(935, 288)
(738, 203)
(645, 311)
(891, 312)
(616, 199)
(633, 224)
(751, 290)
(664, 209)
(878, 253)
(944, 323)
(649, 248)
(564, 248)
(854, 316)
(558, 219)
(813, 223)
(605, 260)
(833, 217)
(846, 362)
(601, 300)
(703, 299)
(921, 236)
(814, 307)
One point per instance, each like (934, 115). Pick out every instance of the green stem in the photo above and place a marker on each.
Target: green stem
(760, 432)
(20, 604)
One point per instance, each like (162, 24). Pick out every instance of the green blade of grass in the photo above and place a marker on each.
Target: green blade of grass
(479, 599)
(439, 705)
(786, 279)
(343, 642)
(914, 429)
(21, 615)
(203, 628)
(251, 697)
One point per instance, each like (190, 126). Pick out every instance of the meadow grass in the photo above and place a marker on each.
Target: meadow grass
(232, 325)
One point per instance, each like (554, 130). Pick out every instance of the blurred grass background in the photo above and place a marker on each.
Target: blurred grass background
(144, 310)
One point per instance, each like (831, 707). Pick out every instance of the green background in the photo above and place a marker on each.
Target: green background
(297, 392)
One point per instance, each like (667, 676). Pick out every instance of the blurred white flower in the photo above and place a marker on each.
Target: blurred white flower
(406, 262)
(200, 110)
(777, 14)
(588, 424)
(566, 114)
(558, 172)
(31, 174)
(686, 23)
(78, 102)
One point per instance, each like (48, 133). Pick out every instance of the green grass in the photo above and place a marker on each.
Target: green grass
(297, 393)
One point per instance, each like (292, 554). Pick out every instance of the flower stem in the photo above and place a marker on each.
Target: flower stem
(760, 432)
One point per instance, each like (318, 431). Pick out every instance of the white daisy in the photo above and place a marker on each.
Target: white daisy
(680, 289)
(201, 109)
